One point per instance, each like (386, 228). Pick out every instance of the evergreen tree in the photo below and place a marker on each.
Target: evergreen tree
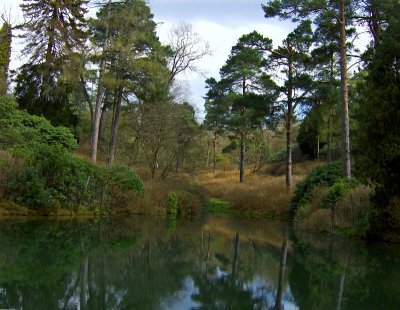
(53, 31)
(244, 75)
(325, 62)
(126, 32)
(338, 11)
(378, 142)
(294, 56)
(216, 110)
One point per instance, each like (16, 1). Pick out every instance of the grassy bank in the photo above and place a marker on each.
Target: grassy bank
(264, 193)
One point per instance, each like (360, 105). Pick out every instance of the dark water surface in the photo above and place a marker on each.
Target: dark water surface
(208, 263)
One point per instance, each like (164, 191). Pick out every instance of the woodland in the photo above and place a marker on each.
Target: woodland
(307, 129)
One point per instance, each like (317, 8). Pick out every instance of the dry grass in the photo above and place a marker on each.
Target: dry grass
(263, 192)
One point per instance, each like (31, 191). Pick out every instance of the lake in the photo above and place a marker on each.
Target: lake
(205, 263)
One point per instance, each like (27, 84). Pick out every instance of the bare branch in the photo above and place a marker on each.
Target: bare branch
(187, 48)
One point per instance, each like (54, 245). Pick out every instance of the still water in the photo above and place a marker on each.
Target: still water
(207, 263)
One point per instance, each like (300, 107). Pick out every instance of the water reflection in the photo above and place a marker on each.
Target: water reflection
(210, 263)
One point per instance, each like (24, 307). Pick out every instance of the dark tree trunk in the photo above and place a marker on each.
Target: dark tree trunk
(103, 121)
(114, 127)
(242, 157)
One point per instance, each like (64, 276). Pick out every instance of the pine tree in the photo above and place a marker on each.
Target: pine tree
(298, 10)
(131, 50)
(53, 31)
(378, 134)
(243, 73)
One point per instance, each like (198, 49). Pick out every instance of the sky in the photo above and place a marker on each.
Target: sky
(218, 22)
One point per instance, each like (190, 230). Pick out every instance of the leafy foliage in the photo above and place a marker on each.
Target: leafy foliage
(336, 191)
(51, 177)
(19, 127)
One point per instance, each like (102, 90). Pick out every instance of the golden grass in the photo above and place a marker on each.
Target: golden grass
(262, 192)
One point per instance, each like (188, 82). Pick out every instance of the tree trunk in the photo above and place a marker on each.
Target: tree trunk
(214, 153)
(114, 129)
(289, 126)
(346, 159)
(242, 145)
(103, 121)
(330, 137)
(99, 97)
(49, 58)
(330, 118)
(242, 157)
(87, 99)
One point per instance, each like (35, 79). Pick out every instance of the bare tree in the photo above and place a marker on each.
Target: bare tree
(186, 49)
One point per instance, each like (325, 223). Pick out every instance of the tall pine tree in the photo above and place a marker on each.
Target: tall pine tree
(54, 29)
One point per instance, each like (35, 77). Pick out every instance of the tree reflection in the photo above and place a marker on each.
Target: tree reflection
(139, 263)
(282, 266)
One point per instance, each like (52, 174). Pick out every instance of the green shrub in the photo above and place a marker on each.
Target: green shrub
(19, 127)
(119, 183)
(321, 176)
(336, 192)
(122, 178)
(50, 176)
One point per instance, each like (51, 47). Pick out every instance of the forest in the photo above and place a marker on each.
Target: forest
(95, 122)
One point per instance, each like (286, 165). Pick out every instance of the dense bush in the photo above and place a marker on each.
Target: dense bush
(19, 127)
(51, 177)
(322, 176)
